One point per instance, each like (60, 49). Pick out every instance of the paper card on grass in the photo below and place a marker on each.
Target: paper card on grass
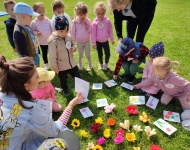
(137, 100)
(127, 86)
(82, 86)
(2, 13)
(152, 102)
(110, 83)
(165, 126)
(171, 116)
(102, 102)
(97, 86)
(86, 112)
(84, 101)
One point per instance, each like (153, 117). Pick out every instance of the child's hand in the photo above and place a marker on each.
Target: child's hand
(119, 40)
(94, 46)
(38, 33)
(56, 71)
(115, 77)
(134, 86)
(135, 61)
(72, 50)
(86, 25)
(77, 100)
(113, 42)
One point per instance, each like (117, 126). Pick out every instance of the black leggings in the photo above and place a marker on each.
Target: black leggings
(44, 49)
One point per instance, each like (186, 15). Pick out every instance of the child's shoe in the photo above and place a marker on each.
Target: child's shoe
(46, 66)
(65, 92)
(89, 68)
(105, 66)
(100, 67)
(80, 67)
(131, 79)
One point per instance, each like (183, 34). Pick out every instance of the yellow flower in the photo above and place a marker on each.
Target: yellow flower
(99, 120)
(107, 133)
(136, 148)
(83, 133)
(130, 137)
(97, 147)
(149, 132)
(144, 118)
(75, 123)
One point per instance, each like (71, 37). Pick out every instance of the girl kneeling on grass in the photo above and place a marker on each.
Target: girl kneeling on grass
(24, 120)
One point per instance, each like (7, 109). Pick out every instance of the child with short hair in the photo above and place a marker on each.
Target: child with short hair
(156, 50)
(101, 32)
(10, 22)
(45, 90)
(58, 8)
(61, 49)
(24, 38)
(81, 30)
(169, 82)
(41, 27)
(131, 55)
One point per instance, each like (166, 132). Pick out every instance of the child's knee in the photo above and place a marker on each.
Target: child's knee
(165, 99)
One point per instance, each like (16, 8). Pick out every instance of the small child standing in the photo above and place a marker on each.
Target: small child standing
(41, 27)
(169, 82)
(131, 55)
(101, 32)
(45, 90)
(58, 9)
(156, 50)
(61, 51)
(81, 30)
(10, 22)
(24, 38)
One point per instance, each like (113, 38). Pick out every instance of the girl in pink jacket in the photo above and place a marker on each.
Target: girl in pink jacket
(45, 90)
(101, 32)
(169, 82)
(81, 30)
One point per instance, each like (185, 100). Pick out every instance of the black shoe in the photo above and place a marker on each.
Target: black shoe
(131, 79)
(65, 92)
(123, 76)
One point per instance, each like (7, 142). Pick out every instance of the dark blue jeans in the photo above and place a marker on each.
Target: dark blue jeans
(106, 48)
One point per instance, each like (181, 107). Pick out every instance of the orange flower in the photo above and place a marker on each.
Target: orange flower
(130, 137)
(111, 122)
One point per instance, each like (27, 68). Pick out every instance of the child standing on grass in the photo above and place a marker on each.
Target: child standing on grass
(24, 38)
(61, 51)
(10, 22)
(156, 50)
(81, 30)
(41, 27)
(169, 82)
(45, 90)
(101, 32)
(58, 9)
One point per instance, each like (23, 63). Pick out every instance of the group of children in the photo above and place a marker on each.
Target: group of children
(53, 37)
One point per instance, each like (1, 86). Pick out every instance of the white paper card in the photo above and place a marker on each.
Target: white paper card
(110, 83)
(164, 126)
(137, 100)
(102, 102)
(86, 112)
(82, 87)
(84, 101)
(171, 116)
(127, 86)
(152, 102)
(97, 86)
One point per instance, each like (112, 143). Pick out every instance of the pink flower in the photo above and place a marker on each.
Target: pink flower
(132, 110)
(95, 127)
(101, 140)
(120, 132)
(155, 147)
(118, 139)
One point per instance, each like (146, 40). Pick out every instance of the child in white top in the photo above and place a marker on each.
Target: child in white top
(41, 27)
(101, 32)
(81, 30)
(58, 9)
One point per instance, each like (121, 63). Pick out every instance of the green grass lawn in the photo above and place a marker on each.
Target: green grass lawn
(171, 25)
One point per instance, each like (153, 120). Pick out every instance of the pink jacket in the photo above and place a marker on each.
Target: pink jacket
(43, 26)
(173, 85)
(79, 33)
(45, 93)
(101, 30)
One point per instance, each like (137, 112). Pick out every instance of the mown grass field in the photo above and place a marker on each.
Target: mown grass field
(171, 25)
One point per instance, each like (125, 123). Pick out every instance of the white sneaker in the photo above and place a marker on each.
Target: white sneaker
(89, 68)
(105, 66)
(80, 67)
(100, 66)
(46, 66)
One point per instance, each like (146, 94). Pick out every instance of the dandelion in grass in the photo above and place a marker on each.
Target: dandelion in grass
(118, 139)
(83, 133)
(107, 133)
(97, 147)
(119, 132)
(144, 118)
(99, 120)
(111, 122)
(90, 145)
(155, 147)
(101, 140)
(130, 137)
(137, 128)
(75, 123)
(149, 132)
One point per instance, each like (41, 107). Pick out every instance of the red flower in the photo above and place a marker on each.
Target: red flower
(155, 147)
(120, 132)
(132, 110)
(95, 127)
